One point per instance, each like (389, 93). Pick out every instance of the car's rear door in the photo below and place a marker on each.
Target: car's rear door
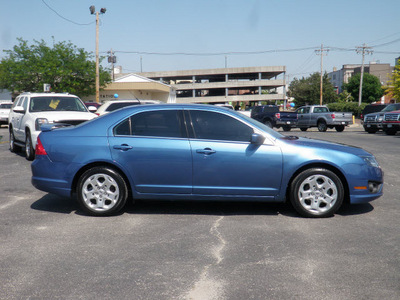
(226, 163)
(153, 148)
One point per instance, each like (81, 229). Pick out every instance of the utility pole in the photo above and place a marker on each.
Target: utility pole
(321, 52)
(363, 50)
(93, 11)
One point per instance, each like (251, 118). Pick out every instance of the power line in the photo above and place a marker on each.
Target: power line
(68, 20)
(216, 53)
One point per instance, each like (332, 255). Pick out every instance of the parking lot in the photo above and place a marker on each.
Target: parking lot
(200, 250)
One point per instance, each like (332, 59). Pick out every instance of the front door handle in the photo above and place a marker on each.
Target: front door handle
(123, 147)
(206, 151)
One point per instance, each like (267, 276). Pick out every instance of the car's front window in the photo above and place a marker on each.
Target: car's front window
(56, 103)
(217, 126)
(263, 127)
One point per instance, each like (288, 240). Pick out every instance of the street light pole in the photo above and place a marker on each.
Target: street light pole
(97, 60)
(92, 11)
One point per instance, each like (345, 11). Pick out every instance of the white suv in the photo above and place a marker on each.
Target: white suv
(31, 110)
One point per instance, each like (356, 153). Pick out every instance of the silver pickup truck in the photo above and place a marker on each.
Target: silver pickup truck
(320, 116)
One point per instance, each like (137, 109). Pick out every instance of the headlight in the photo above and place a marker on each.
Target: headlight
(370, 160)
(39, 122)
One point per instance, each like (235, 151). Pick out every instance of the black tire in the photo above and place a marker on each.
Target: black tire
(339, 128)
(322, 126)
(390, 131)
(286, 128)
(303, 128)
(101, 191)
(268, 123)
(370, 130)
(13, 148)
(29, 151)
(316, 193)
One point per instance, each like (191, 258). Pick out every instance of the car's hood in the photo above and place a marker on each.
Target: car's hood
(59, 116)
(324, 145)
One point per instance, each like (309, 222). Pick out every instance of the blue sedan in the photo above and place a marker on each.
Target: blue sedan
(198, 152)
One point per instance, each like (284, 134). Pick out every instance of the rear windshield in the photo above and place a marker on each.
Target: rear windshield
(116, 105)
(56, 103)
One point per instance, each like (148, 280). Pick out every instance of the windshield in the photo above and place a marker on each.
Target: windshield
(263, 127)
(8, 105)
(56, 103)
(391, 108)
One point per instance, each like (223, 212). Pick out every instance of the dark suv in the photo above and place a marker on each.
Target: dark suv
(373, 121)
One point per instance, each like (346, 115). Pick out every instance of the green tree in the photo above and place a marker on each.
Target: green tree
(307, 90)
(371, 90)
(393, 87)
(64, 66)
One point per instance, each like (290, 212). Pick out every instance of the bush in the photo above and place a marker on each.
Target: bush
(347, 107)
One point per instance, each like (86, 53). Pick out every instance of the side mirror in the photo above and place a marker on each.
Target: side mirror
(257, 139)
(92, 109)
(19, 109)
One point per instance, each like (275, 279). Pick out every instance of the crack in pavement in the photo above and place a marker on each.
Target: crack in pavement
(207, 288)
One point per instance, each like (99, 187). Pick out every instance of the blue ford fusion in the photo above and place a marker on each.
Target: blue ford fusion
(198, 152)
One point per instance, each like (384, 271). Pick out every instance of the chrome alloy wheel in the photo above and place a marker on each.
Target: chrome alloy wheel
(317, 194)
(100, 192)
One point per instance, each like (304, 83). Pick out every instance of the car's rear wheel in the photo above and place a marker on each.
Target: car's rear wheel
(316, 193)
(339, 128)
(286, 128)
(322, 127)
(101, 191)
(29, 151)
(268, 123)
(13, 146)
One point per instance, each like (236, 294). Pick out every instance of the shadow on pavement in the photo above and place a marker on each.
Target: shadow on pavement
(52, 203)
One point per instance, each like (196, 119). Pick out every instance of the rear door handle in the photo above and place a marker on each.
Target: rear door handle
(206, 151)
(123, 147)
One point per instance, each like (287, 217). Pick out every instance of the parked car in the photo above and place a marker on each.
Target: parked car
(31, 110)
(320, 117)
(5, 108)
(373, 121)
(371, 108)
(112, 105)
(198, 152)
(391, 122)
(92, 106)
(271, 116)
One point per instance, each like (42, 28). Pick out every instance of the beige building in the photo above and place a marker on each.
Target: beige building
(132, 86)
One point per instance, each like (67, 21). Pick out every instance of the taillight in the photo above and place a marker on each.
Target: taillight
(278, 115)
(333, 116)
(39, 148)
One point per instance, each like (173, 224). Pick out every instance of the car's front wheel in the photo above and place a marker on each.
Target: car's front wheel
(316, 193)
(101, 191)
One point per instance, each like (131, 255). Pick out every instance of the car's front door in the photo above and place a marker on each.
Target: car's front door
(154, 149)
(226, 163)
(303, 116)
